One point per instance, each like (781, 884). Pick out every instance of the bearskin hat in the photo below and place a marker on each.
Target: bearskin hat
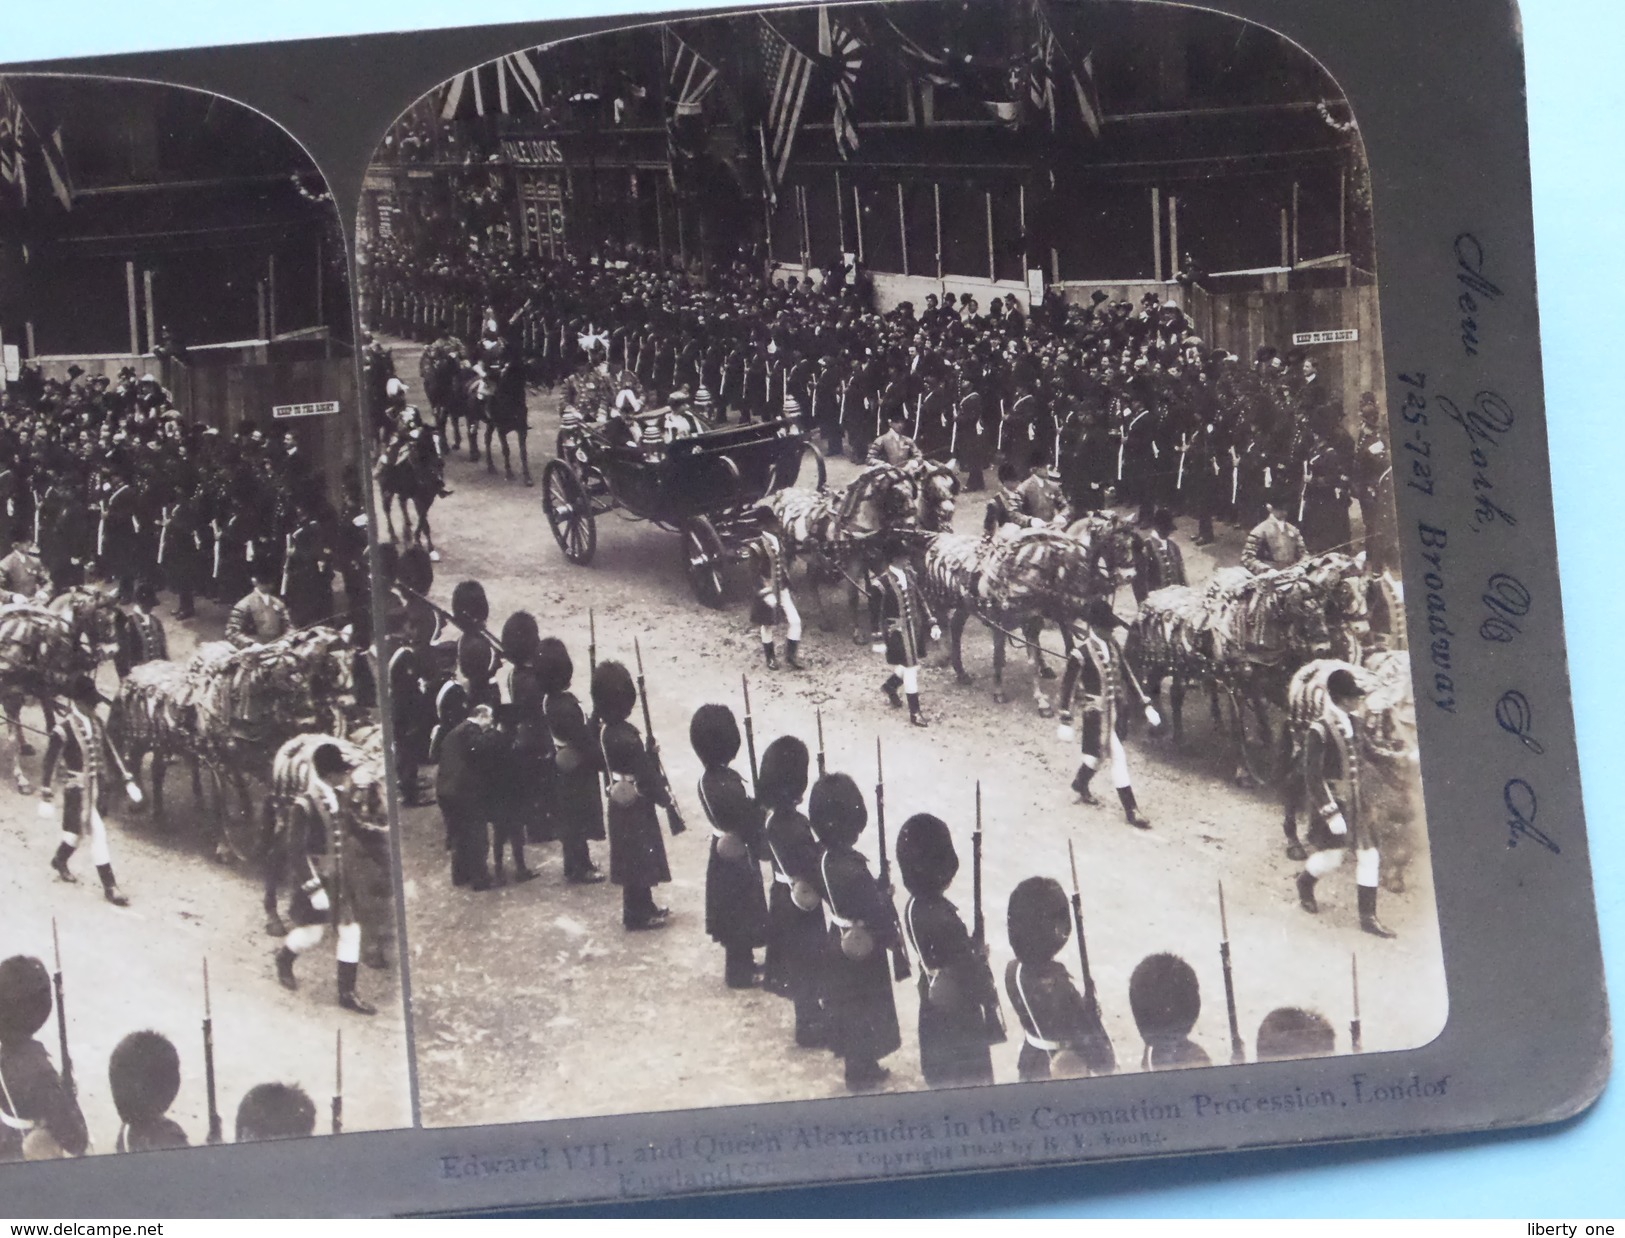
(783, 777)
(613, 694)
(925, 855)
(1039, 921)
(714, 733)
(1289, 1032)
(554, 669)
(469, 605)
(145, 1074)
(275, 1111)
(415, 569)
(521, 637)
(1342, 686)
(836, 810)
(1162, 520)
(1164, 996)
(25, 998)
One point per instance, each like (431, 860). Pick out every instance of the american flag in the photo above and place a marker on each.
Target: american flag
(791, 73)
(843, 53)
(497, 85)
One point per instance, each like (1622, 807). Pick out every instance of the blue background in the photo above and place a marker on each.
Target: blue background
(1577, 135)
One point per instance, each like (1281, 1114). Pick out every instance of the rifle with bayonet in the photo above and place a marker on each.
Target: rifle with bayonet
(823, 767)
(1354, 1023)
(592, 642)
(1238, 1049)
(61, 1015)
(216, 1131)
(992, 1013)
(900, 968)
(750, 734)
(462, 625)
(674, 815)
(1077, 926)
(338, 1083)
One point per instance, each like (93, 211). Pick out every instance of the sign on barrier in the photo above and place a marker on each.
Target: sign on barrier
(323, 408)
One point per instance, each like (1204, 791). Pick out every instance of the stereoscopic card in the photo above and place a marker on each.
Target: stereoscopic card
(953, 586)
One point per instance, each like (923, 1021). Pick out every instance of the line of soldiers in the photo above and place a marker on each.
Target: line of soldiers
(99, 468)
(1115, 396)
(40, 1116)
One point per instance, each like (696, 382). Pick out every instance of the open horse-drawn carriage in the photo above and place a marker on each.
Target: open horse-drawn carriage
(705, 485)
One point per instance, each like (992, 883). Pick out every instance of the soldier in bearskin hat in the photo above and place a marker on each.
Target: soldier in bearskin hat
(735, 906)
(477, 659)
(861, 1010)
(1339, 822)
(1096, 662)
(577, 801)
(467, 778)
(145, 1076)
(79, 742)
(637, 852)
(956, 988)
(797, 944)
(1165, 998)
(1063, 1031)
(39, 1118)
(1289, 1032)
(521, 800)
(275, 1111)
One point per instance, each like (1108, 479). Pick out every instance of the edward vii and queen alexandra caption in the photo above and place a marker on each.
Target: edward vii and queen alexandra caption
(889, 579)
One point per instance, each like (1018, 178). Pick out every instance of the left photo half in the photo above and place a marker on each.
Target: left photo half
(197, 891)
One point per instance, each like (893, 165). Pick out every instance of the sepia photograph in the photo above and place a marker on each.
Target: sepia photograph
(887, 516)
(197, 910)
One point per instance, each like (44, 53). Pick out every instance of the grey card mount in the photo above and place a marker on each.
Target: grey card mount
(1065, 485)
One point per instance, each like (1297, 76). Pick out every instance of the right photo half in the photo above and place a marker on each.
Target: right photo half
(888, 531)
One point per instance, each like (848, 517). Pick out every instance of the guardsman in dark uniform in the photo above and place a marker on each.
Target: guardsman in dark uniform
(797, 943)
(1165, 998)
(970, 437)
(735, 906)
(145, 1076)
(773, 600)
(1373, 470)
(1062, 1030)
(906, 617)
(464, 780)
(1096, 664)
(39, 1118)
(1158, 561)
(1273, 544)
(861, 1011)
(79, 742)
(477, 659)
(411, 628)
(522, 800)
(958, 1000)
(330, 894)
(1331, 780)
(637, 852)
(578, 804)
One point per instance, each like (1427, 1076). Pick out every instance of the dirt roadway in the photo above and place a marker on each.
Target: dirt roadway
(141, 966)
(531, 1002)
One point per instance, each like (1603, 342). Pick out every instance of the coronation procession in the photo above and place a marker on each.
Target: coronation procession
(183, 592)
(943, 435)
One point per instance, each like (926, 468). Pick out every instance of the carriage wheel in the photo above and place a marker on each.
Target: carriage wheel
(1261, 731)
(783, 478)
(569, 512)
(703, 560)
